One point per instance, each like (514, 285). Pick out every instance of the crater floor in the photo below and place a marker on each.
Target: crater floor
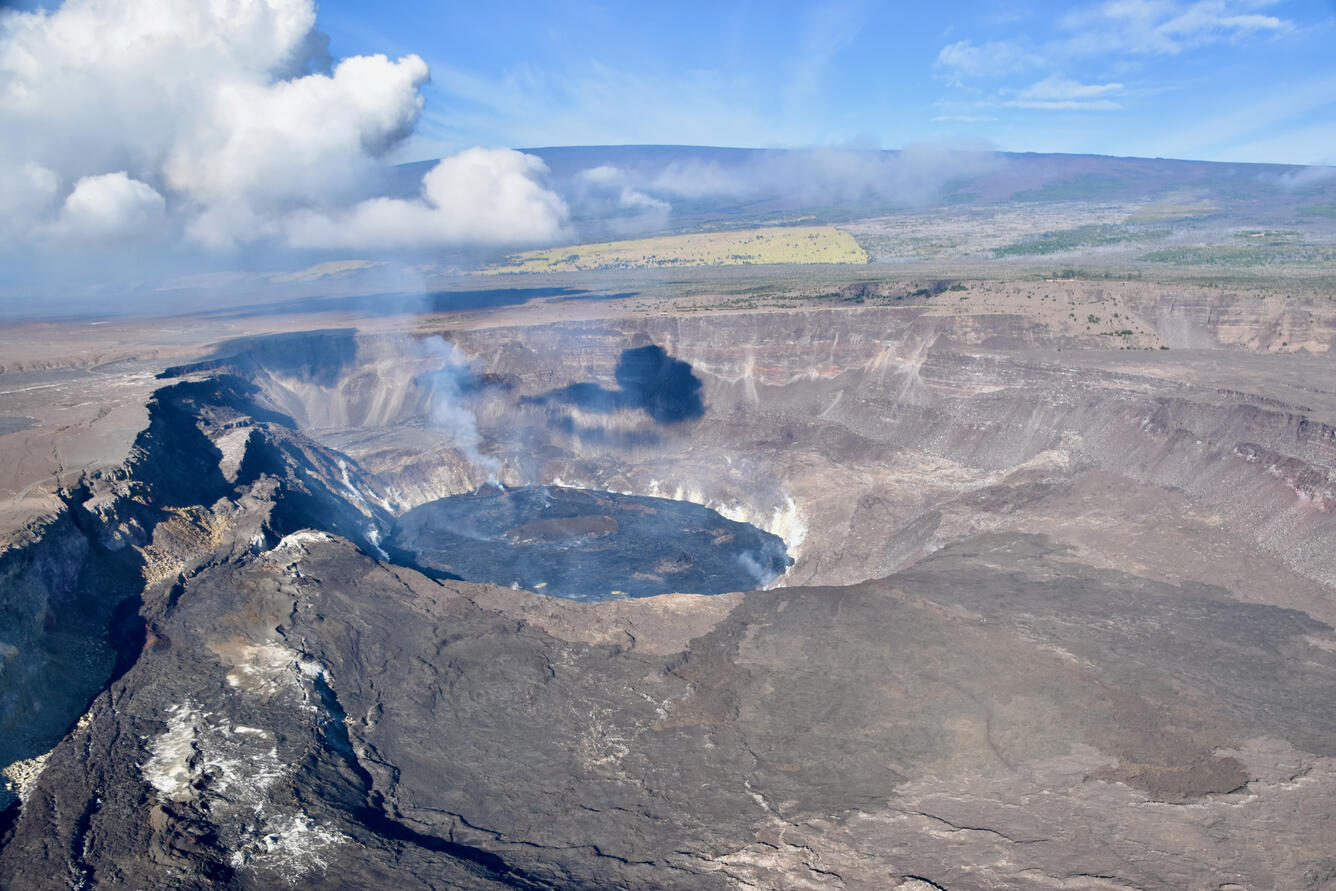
(586, 545)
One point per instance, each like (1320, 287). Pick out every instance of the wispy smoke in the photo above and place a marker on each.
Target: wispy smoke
(447, 376)
(762, 573)
(337, 379)
(916, 175)
(1308, 177)
(777, 179)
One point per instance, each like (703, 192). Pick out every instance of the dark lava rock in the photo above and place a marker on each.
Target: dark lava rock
(586, 545)
(377, 729)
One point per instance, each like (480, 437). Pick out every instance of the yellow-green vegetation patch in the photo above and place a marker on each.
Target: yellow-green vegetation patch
(739, 247)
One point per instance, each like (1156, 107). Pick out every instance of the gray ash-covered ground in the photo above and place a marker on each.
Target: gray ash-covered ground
(586, 545)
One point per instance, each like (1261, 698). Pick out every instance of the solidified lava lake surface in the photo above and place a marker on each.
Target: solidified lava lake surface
(586, 545)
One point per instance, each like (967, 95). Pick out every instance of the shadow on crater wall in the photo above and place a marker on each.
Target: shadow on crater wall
(318, 357)
(649, 379)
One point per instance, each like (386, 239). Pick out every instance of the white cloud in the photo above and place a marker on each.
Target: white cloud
(1056, 87)
(264, 148)
(964, 59)
(1057, 92)
(618, 199)
(194, 118)
(636, 200)
(1113, 31)
(111, 205)
(27, 192)
(1307, 177)
(1160, 27)
(830, 175)
(696, 179)
(601, 176)
(1064, 104)
(479, 196)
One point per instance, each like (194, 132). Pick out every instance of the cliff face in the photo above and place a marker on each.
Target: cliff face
(866, 438)
(213, 473)
(1043, 598)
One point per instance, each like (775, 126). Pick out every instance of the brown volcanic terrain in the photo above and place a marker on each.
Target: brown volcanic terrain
(1061, 613)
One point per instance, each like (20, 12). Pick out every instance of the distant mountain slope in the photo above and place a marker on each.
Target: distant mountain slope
(615, 191)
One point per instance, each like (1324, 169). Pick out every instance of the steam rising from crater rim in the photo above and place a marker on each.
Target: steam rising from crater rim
(337, 382)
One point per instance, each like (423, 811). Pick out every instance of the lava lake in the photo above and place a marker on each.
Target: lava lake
(586, 545)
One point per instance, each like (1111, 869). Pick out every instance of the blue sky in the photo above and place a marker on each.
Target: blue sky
(1218, 79)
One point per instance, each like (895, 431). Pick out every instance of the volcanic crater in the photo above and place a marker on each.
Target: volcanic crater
(1042, 594)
